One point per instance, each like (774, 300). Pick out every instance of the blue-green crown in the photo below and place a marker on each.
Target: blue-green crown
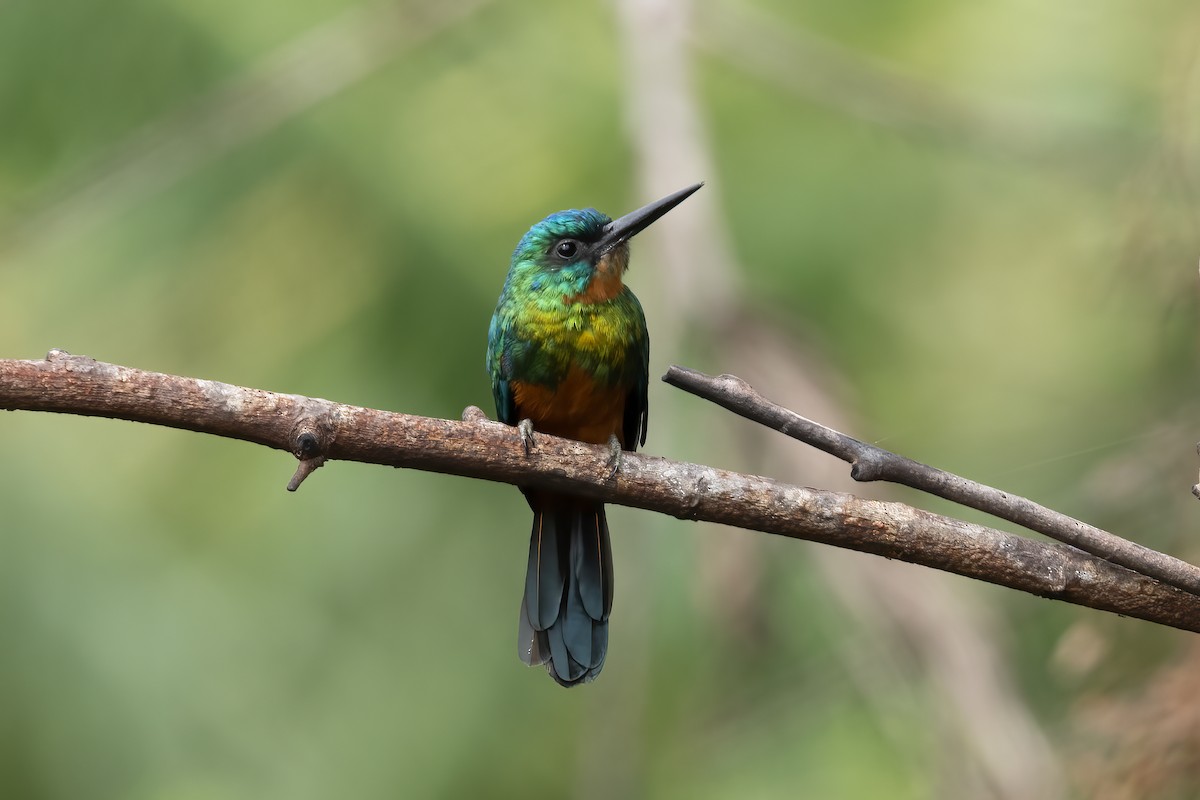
(586, 224)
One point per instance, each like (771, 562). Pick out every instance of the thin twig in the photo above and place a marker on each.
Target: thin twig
(478, 448)
(871, 463)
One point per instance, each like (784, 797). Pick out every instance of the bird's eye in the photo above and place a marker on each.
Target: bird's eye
(566, 249)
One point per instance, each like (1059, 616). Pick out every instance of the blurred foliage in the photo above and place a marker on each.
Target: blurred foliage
(174, 626)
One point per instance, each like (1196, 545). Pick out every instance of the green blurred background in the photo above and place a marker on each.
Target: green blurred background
(964, 230)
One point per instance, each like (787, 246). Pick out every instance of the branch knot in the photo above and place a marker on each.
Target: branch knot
(311, 440)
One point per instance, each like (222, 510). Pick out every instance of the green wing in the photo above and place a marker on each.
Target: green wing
(637, 406)
(499, 367)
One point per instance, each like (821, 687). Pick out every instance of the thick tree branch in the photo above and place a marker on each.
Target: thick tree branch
(315, 429)
(871, 463)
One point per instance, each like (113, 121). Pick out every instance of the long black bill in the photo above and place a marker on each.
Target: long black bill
(633, 223)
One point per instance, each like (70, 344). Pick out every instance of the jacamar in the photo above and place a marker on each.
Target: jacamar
(568, 354)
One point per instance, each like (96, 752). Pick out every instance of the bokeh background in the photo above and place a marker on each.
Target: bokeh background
(967, 231)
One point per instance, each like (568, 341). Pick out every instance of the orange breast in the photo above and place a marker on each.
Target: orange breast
(576, 409)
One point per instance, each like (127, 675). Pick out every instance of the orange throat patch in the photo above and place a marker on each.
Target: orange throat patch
(606, 280)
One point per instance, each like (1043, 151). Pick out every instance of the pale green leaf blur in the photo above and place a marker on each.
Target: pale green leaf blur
(1001, 282)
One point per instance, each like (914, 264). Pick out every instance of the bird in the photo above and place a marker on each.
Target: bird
(568, 355)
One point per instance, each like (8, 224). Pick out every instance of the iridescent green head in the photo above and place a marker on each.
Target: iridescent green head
(558, 255)
(580, 255)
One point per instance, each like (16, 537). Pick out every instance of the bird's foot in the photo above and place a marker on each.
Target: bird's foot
(614, 456)
(525, 427)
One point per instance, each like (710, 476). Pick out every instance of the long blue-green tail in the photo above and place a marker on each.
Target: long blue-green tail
(568, 589)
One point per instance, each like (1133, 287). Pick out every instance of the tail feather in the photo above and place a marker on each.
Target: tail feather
(591, 561)
(599, 646)
(545, 576)
(568, 590)
(532, 645)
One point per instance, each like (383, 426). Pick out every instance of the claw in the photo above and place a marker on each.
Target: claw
(525, 427)
(614, 456)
